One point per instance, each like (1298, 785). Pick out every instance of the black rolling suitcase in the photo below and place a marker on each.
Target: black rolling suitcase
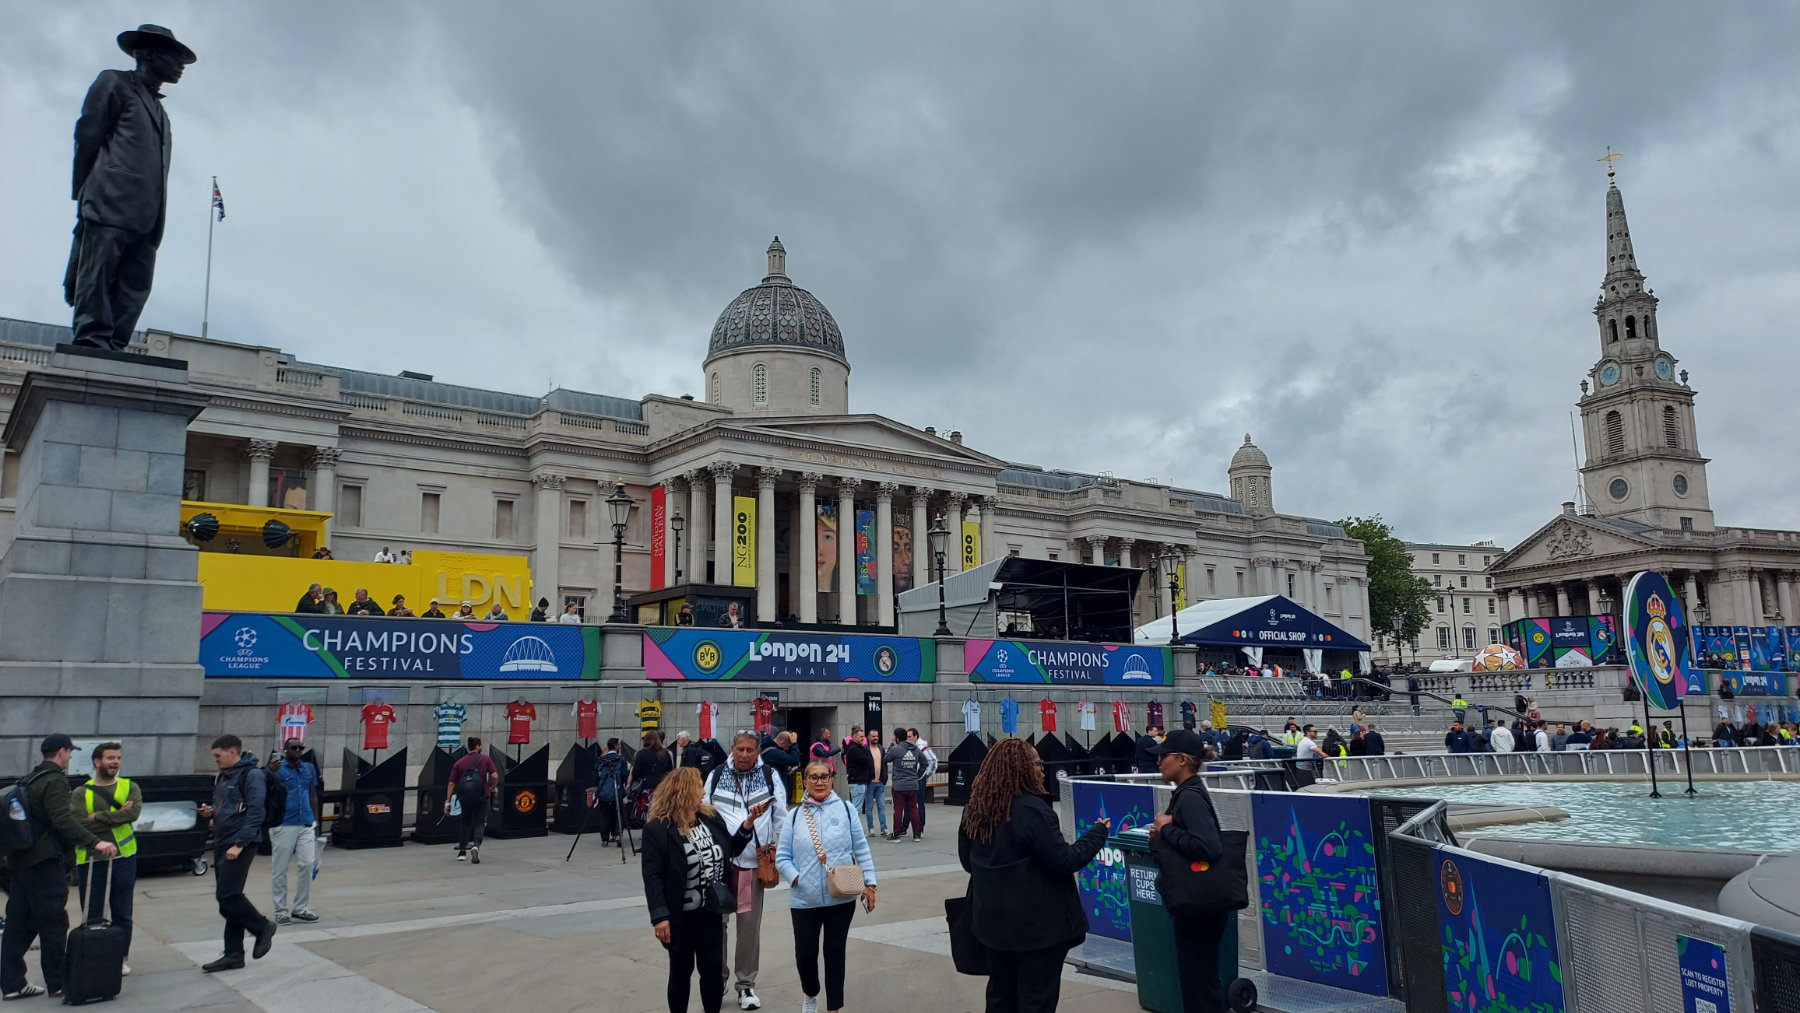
(94, 962)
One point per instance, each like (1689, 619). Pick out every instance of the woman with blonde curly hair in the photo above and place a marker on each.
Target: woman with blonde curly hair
(1024, 907)
(686, 848)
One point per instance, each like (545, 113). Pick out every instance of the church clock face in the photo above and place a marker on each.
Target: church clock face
(1665, 368)
(1609, 372)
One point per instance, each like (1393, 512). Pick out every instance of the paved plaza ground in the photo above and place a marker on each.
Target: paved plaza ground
(407, 929)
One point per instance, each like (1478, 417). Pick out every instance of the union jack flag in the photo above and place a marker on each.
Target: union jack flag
(218, 201)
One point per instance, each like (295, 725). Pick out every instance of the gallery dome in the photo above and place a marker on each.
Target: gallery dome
(776, 314)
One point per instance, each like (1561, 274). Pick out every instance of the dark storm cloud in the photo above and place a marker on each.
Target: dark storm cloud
(1104, 237)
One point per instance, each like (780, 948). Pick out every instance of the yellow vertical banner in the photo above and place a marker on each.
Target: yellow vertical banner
(1181, 595)
(743, 541)
(971, 544)
(1218, 715)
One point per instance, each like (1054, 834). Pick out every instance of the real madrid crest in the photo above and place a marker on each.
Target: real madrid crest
(1659, 641)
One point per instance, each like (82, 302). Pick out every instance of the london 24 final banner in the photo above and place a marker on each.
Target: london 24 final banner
(1657, 640)
(694, 653)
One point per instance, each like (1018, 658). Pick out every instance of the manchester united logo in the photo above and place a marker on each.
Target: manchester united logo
(525, 801)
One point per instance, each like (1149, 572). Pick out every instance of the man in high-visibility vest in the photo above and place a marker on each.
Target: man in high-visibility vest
(107, 805)
(1459, 707)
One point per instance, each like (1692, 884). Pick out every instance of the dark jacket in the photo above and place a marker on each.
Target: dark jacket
(1374, 744)
(859, 763)
(1022, 885)
(664, 867)
(367, 607)
(122, 155)
(783, 760)
(53, 823)
(238, 795)
(1194, 831)
(307, 606)
(1457, 742)
(1143, 759)
(648, 770)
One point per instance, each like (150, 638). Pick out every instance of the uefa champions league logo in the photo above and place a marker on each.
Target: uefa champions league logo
(245, 638)
(1000, 656)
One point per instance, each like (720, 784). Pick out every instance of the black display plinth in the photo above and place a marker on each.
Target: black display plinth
(574, 776)
(430, 825)
(373, 814)
(518, 810)
(965, 761)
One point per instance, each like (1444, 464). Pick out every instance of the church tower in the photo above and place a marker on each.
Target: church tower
(1637, 413)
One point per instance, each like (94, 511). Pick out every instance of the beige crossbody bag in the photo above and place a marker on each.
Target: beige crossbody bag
(842, 881)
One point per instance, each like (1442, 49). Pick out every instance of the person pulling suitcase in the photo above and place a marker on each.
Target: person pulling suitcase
(94, 958)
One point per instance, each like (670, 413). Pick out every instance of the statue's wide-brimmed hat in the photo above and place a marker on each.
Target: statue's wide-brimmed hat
(154, 35)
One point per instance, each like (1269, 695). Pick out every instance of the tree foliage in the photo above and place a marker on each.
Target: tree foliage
(1393, 590)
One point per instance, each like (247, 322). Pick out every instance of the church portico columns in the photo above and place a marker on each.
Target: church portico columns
(1096, 549)
(1515, 605)
(699, 528)
(1125, 545)
(1691, 587)
(884, 552)
(260, 453)
(846, 545)
(921, 545)
(808, 557)
(765, 544)
(722, 472)
(1562, 599)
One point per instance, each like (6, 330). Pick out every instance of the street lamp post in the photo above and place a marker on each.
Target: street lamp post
(620, 503)
(1399, 634)
(939, 537)
(675, 525)
(1170, 560)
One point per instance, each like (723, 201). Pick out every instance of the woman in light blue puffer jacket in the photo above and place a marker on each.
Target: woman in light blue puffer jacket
(822, 822)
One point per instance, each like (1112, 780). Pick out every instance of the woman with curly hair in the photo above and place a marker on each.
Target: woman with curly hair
(686, 848)
(1023, 903)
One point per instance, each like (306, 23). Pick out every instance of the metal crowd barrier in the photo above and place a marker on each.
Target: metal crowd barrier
(1743, 762)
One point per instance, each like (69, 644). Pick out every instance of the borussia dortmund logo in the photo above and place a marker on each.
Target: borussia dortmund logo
(707, 656)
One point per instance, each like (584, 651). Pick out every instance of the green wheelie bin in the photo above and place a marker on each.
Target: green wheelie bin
(1153, 937)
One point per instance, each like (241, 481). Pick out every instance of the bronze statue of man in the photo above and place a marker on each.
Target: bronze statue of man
(122, 186)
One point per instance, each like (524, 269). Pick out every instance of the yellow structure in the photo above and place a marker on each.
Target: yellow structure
(250, 577)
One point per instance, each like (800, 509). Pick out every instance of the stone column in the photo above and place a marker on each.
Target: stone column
(699, 527)
(259, 452)
(1562, 599)
(921, 524)
(953, 518)
(884, 552)
(1315, 579)
(1592, 590)
(1784, 591)
(722, 472)
(1097, 549)
(546, 557)
(676, 496)
(1691, 596)
(766, 611)
(1125, 544)
(324, 483)
(808, 561)
(1515, 606)
(846, 568)
(1269, 585)
(990, 505)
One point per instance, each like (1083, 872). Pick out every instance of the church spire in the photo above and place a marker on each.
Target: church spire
(1621, 262)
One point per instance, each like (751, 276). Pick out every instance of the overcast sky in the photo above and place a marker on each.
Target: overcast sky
(1092, 236)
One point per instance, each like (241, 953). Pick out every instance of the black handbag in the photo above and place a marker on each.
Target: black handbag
(718, 897)
(1190, 887)
(966, 951)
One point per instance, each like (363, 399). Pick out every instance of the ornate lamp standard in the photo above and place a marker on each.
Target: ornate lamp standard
(939, 537)
(675, 525)
(620, 503)
(1170, 559)
(1399, 630)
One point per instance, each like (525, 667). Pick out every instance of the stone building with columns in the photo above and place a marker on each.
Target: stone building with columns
(1644, 484)
(408, 462)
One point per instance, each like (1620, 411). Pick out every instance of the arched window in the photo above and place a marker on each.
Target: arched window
(815, 386)
(715, 389)
(1671, 426)
(1630, 328)
(759, 385)
(1612, 327)
(1615, 433)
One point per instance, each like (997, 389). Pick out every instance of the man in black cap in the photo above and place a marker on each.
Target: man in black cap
(36, 907)
(122, 148)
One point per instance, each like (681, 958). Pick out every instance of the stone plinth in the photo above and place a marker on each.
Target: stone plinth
(99, 601)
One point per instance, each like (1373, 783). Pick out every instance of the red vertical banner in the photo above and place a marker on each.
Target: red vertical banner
(659, 549)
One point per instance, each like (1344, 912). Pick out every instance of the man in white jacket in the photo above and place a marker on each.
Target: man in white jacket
(734, 789)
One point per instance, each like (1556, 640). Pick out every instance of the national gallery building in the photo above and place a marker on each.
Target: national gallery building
(771, 482)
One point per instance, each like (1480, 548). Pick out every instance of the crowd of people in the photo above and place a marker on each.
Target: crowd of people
(321, 600)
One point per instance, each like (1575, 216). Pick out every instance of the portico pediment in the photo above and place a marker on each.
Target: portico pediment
(1571, 539)
(850, 436)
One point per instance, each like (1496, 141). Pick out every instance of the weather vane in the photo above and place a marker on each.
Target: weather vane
(1611, 157)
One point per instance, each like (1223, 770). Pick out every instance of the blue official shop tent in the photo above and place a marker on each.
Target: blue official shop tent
(1269, 627)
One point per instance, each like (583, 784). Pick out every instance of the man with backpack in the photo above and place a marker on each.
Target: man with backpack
(38, 830)
(242, 797)
(473, 779)
(612, 778)
(295, 836)
(908, 766)
(735, 790)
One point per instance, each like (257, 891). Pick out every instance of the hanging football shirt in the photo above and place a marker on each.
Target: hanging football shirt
(521, 713)
(1047, 714)
(1156, 714)
(450, 718)
(649, 715)
(1086, 709)
(762, 712)
(1121, 716)
(587, 719)
(709, 713)
(1187, 713)
(375, 720)
(291, 720)
(971, 711)
(1009, 716)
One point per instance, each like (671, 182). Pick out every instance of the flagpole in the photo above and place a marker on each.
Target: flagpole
(206, 304)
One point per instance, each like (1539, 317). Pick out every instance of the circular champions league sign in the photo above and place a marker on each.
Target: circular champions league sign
(1656, 639)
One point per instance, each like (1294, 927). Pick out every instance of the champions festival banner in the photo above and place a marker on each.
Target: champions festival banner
(1657, 641)
(686, 652)
(1067, 664)
(258, 645)
(659, 546)
(971, 544)
(743, 541)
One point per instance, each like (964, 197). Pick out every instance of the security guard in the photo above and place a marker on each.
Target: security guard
(107, 805)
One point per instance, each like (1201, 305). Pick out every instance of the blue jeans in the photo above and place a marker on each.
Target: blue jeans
(859, 800)
(120, 881)
(877, 792)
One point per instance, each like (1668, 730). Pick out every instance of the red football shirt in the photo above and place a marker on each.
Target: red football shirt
(1121, 716)
(291, 720)
(1047, 714)
(521, 713)
(709, 712)
(764, 714)
(587, 719)
(375, 720)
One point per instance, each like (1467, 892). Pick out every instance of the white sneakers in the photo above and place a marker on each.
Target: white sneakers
(810, 1004)
(747, 998)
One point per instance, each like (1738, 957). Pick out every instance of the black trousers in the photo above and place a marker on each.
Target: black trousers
(700, 940)
(1025, 982)
(1197, 942)
(606, 813)
(240, 915)
(834, 921)
(35, 909)
(113, 270)
(474, 824)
